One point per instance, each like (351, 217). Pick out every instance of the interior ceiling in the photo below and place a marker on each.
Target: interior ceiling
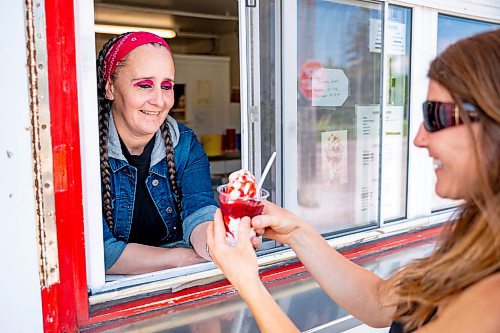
(191, 19)
(216, 7)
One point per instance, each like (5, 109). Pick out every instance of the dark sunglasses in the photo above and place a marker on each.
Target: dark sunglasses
(439, 115)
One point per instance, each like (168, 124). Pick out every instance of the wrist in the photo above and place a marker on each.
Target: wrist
(251, 288)
(300, 234)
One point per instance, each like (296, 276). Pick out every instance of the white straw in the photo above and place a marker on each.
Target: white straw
(264, 173)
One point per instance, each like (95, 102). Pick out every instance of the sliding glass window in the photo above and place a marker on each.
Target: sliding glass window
(338, 113)
(347, 166)
(396, 109)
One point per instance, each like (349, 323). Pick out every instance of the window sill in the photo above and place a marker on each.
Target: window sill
(176, 279)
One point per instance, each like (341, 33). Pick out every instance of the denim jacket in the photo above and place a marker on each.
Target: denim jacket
(193, 177)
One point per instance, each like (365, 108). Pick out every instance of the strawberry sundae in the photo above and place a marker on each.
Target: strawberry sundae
(239, 198)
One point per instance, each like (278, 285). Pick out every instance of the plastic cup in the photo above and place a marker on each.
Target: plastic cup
(233, 210)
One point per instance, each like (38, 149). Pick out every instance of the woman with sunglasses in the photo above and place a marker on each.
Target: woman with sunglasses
(456, 288)
(156, 188)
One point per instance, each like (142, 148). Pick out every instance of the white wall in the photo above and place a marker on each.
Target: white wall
(20, 300)
(207, 91)
(229, 47)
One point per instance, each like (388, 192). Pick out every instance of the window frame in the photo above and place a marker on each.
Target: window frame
(419, 184)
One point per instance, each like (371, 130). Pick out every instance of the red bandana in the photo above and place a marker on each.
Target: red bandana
(124, 46)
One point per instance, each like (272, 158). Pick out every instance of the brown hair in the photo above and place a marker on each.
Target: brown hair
(104, 109)
(469, 247)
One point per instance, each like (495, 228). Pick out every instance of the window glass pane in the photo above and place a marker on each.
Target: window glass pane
(338, 113)
(264, 138)
(268, 86)
(450, 30)
(395, 139)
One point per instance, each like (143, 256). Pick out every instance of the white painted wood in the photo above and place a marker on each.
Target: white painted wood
(424, 40)
(243, 38)
(486, 10)
(289, 100)
(253, 90)
(89, 142)
(20, 300)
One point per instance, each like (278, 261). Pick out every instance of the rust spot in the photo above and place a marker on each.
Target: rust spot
(60, 169)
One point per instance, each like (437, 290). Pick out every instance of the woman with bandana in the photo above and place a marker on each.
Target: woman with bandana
(156, 188)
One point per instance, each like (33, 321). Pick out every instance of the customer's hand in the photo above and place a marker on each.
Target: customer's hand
(239, 262)
(277, 223)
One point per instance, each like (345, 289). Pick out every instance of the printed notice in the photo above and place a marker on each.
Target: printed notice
(392, 161)
(330, 87)
(334, 156)
(375, 35)
(396, 38)
(367, 162)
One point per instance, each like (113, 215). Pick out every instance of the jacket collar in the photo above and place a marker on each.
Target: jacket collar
(159, 153)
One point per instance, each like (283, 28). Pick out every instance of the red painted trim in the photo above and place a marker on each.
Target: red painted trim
(222, 290)
(65, 302)
(166, 309)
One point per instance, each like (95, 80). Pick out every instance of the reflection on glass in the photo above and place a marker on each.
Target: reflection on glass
(338, 113)
(267, 43)
(395, 139)
(450, 30)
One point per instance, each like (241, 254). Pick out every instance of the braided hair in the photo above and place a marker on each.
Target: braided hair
(104, 112)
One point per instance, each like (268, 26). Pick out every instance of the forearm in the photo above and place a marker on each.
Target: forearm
(199, 240)
(138, 259)
(352, 287)
(269, 316)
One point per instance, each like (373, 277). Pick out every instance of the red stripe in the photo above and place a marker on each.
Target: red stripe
(65, 302)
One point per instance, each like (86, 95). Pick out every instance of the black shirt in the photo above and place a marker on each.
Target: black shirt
(397, 327)
(148, 227)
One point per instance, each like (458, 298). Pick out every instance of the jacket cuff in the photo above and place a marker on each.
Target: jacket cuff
(203, 214)
(113, 249)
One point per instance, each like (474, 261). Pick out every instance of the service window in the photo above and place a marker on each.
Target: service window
(327, 84)
(450, 30)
